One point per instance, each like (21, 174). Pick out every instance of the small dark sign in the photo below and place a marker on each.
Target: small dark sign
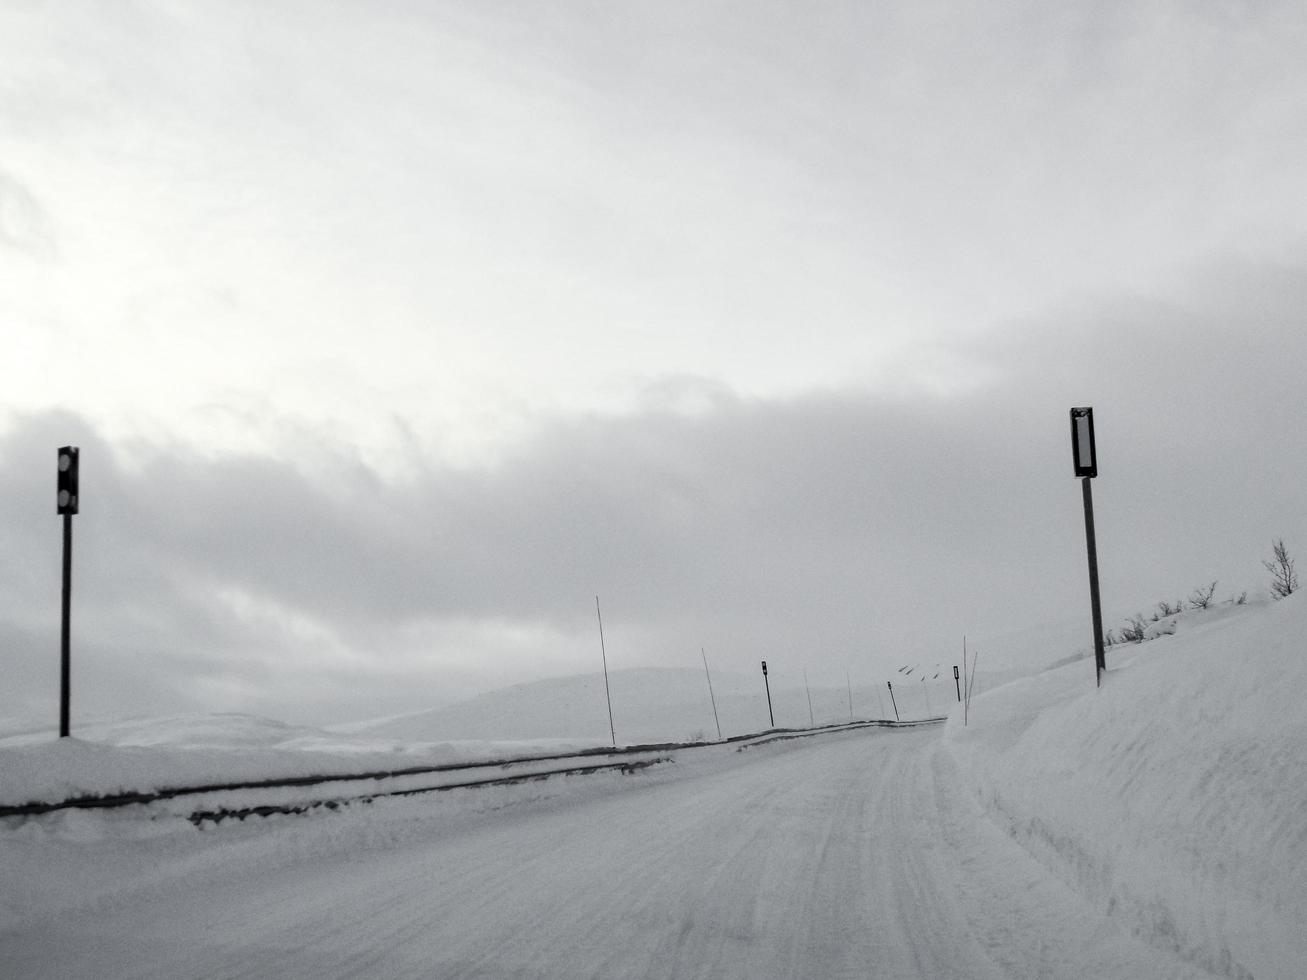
(1082, 442)
(66, 488)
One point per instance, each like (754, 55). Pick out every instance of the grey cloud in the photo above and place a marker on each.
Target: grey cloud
(1199, 410)
(764, 525)
(836, 527)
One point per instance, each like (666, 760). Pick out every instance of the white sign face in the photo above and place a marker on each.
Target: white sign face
(1083, 442)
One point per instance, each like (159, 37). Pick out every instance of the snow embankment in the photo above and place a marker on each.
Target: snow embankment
(148, 755)
(1174, 798)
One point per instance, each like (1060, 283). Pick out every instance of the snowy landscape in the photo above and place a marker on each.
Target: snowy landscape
(1152, 827)
(562, 490)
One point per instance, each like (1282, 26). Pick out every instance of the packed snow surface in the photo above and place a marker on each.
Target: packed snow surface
(1150, 828)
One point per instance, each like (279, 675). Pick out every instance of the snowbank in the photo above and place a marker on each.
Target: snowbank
(146, 755)
(1175, 798)
(548, 717)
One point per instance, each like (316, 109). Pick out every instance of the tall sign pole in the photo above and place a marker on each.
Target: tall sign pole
(767, 684)
(66, 506)
(1084, 452)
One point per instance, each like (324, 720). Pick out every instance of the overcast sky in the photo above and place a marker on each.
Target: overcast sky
(394, 332)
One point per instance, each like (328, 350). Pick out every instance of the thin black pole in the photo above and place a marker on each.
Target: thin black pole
(65, 656)
(890, 685)
(607, 693)
(711, 696)
(1100, 659)
(770, 717)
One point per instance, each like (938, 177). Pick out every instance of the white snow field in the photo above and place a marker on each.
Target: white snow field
(1154, 828)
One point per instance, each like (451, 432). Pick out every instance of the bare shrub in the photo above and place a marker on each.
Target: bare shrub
(1134, 629)
(1201, 597)
(1284, 579)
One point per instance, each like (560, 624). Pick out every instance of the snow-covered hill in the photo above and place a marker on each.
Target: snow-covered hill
(653, 705)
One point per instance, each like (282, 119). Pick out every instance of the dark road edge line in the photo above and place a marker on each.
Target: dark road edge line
(199, 817)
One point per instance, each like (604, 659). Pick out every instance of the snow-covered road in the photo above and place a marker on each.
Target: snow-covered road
(849, 855)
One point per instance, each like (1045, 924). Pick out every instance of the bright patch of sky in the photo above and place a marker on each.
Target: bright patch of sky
(388, 219)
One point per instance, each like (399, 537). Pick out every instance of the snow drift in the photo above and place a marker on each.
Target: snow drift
(1174, 797)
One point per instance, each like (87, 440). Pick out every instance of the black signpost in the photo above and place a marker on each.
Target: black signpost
(770, 717)
(890, 685)
(1084, 452)
(66, 506)
(957, 683)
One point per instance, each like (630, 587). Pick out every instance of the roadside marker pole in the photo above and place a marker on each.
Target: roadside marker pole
(770, 717)
(890, 685)
(971, 684)
(812, 722)
(712, 697)
(966, 704)
(607, 693)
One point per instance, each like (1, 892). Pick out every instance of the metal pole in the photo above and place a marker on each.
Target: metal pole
(812, 722)
(770, 717)
(711, 696)
(607, 693)
(65, 657)
(1100, 659)
(971, 684)
(957, 683)
(890, 685)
